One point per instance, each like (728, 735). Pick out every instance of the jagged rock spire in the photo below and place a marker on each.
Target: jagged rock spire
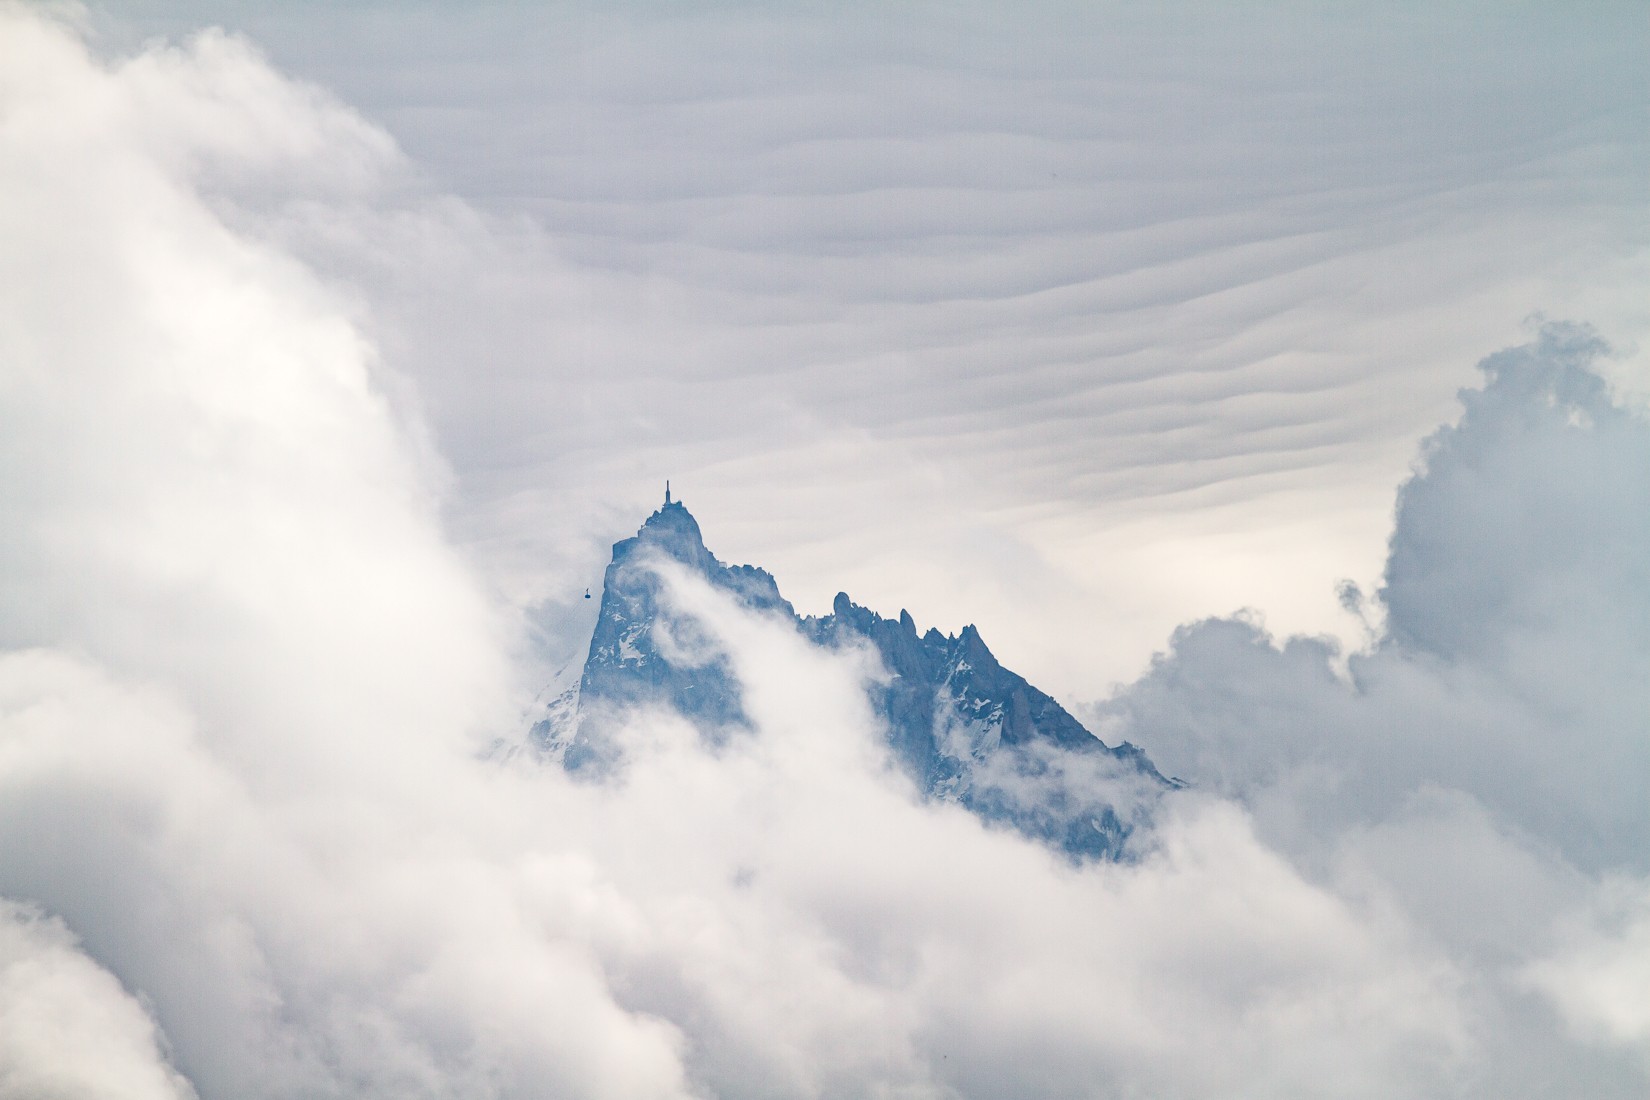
(958, 723)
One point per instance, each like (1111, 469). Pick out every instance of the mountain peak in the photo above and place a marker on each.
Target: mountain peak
(672, 516)
(959, 724)
(673, 531)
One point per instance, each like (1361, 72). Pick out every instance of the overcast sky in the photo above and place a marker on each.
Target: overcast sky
(336, 347)
(1073, 320)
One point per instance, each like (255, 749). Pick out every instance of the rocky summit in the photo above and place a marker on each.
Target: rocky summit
(961, 726)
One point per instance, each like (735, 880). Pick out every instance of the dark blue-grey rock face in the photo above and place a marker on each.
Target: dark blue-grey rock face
(958, 723)
(967, 729)
(640, 656)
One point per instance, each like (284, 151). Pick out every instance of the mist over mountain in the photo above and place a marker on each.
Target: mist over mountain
(255, 843)
(959, 725)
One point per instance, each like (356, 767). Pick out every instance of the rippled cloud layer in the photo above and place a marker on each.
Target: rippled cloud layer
(1079, 313)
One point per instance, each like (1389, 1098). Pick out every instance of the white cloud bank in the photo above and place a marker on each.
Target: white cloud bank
(67, 1028)
(247, 838)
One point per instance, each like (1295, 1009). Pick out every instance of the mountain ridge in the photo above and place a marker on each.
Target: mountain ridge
(960, 725)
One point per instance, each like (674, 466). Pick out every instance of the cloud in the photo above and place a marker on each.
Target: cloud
(1598, 974)
(835, 934)
(246, 831)
(208, 436)
(1086, 314)
(67, 1028)
(243, 654)
(1514, 660)
(1481, 764)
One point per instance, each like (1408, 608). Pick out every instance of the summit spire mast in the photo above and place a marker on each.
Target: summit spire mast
(667, 491)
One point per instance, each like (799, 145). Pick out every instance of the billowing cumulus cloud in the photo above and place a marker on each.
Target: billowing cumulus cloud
(252, 845)
(1514, 659)
(67, 1028)
(1484, 763)
(1598, 977)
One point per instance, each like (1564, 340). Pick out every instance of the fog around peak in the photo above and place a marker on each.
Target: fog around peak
(254, 843)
